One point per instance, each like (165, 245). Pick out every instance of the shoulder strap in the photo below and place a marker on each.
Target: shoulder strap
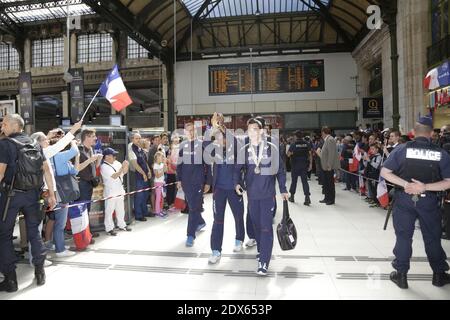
(16, 142)
(104, 162)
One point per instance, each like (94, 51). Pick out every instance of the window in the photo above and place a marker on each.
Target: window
(135, 50)
(439, 19)
(94, 47)
(47, 52)
(9, 57)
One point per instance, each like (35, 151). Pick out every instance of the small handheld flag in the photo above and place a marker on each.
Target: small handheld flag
(114, 90)
(382, 193)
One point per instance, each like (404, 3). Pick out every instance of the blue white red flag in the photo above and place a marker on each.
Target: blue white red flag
(79, 221)
(382, 193)
(114, 90)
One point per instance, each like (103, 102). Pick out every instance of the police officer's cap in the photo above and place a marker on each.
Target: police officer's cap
(426, 121)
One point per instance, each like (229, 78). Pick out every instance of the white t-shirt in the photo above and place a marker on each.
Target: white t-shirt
(158, 167)
(112, 187)
(131, 156)
(52, 150)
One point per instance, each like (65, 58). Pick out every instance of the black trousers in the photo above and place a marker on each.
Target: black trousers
(172, 189)
(328, 186)
(28, 204)
(446, 219)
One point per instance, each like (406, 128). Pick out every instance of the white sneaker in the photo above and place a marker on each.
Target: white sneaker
(215, 257)
(47, 263)
(237, 246)
(251, 243)
(65, 254)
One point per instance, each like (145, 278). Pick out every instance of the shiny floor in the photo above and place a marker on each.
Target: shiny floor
(343, 253)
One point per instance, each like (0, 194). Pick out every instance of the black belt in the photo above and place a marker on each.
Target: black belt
(429, 193)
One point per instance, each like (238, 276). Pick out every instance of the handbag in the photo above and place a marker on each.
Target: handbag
(286, 231)
(67, 186)
(95, 182)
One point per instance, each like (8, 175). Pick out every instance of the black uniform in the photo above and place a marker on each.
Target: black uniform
(26, 202)
(423, 161)
(301, 150)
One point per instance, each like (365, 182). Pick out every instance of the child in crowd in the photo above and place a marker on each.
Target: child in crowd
(159, 168)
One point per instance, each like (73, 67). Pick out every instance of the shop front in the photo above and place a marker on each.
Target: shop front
(437, 85)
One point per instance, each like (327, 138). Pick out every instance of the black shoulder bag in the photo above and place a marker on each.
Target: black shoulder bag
(67, 186)
(286, 231)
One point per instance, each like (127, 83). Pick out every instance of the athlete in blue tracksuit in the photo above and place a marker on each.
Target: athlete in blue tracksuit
(261, 162)
(248, 219)
(192, 179)
(222, 170)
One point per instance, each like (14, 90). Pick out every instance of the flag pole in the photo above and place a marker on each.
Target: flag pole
(90, 103)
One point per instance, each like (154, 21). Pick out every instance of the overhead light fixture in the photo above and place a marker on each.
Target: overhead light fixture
(269, 52)
(311, 50)
(250, 53)
(291, 51)
(228, 54)
(205, 56)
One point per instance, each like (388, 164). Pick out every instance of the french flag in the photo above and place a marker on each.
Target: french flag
(382, 193)
(79, 221)
(353, 165)
(431, 81)
(114, 90)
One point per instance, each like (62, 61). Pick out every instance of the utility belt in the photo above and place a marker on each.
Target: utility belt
(423, 195)
(5, 188)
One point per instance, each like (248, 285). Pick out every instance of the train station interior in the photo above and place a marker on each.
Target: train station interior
(349, 65)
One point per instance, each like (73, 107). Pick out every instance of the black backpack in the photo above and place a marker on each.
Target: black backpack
(29, 174)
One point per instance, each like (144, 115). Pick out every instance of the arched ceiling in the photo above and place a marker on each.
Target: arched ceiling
(234, 26)
(229, 27)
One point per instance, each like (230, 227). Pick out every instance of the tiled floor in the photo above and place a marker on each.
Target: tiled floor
(342, 253)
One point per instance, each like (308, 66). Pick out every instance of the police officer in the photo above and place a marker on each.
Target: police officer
(419, 169)
(222, 169)
(26, 202)
(191, 169)
(301, 156)
(261, 162)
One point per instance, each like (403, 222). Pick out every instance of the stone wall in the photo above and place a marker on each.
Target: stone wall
(414, 36)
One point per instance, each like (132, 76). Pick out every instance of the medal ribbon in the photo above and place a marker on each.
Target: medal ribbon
(260, 155)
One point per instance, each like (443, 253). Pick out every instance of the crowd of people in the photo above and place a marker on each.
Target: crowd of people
(166, 165)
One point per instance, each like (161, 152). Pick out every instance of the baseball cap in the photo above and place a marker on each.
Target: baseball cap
(426, 121)
(110, 151)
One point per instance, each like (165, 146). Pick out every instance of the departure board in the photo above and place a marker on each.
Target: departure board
(279, 77)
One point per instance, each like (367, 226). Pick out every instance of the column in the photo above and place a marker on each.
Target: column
(65, 104)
